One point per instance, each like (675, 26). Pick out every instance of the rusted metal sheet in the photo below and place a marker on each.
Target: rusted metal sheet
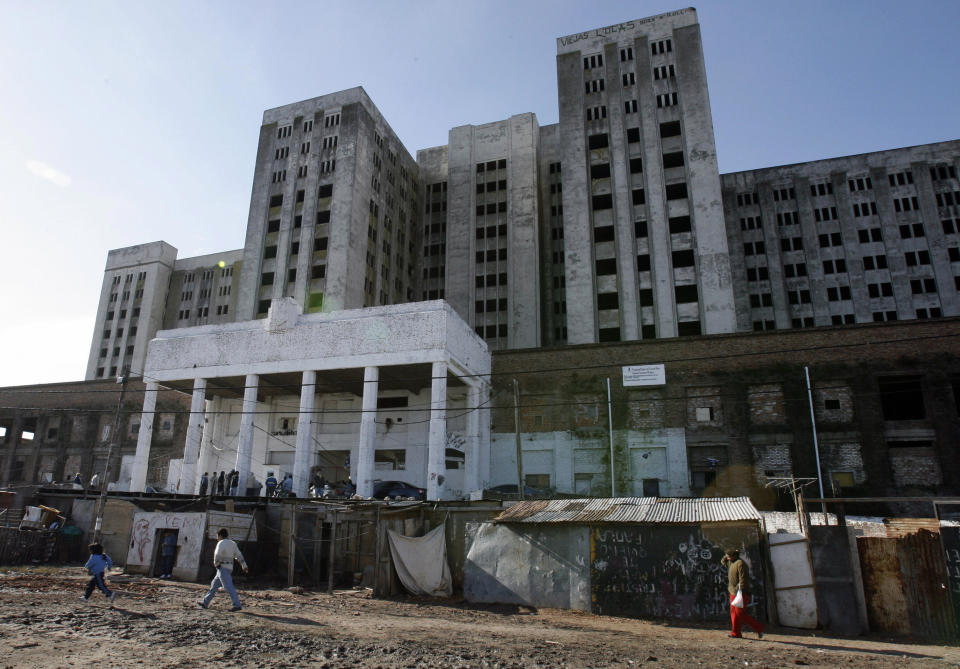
(906, 587)
(901, 527)
(925, 586)
(882, 587)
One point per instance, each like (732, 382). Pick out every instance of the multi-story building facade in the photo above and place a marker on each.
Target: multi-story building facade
(145, 288)
(611, 225)
(873, 237)
(334, 190)
(645, 250)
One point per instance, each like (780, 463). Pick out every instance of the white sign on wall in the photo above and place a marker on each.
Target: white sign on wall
(644, 375)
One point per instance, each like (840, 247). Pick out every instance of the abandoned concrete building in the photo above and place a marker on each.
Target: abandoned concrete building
(606, 240)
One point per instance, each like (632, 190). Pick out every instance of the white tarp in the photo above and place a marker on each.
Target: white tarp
(421, 562)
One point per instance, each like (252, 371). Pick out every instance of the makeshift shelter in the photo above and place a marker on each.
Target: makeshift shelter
(192, 530)
(634, 556)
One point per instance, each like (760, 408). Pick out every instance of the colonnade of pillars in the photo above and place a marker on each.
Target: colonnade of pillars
(477, 395)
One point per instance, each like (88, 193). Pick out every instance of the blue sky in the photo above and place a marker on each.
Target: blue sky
(123, 123)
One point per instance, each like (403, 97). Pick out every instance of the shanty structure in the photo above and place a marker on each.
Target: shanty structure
(628, 556)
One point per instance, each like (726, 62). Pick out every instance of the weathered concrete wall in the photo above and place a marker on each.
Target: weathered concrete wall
(144, 539)
(135, 280)
(536, 566)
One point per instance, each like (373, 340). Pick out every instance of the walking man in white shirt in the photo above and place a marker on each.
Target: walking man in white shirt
(223, 556)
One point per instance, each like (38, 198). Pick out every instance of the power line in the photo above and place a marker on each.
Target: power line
(542, 370)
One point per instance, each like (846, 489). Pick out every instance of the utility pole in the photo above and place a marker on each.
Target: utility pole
(98, 525)
(516, 426)
(816, 443)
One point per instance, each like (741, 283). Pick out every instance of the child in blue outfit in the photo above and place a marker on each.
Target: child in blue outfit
(97, 565)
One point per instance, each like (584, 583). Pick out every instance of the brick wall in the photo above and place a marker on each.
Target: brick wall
(755, 385)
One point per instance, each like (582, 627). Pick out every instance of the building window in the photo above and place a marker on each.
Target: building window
(901, 398)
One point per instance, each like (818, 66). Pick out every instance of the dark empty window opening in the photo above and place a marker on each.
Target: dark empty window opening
(276, 201)
(688, 328)
(600, 171)
(685, 294)
(679, 224)
(676, 191)
(603, 234)
(607, 266)
(901, 398)
(670, 129)
(602, 202)
(609, 334)
(683, 258)
(392, 402)
(674, 159)
(598, 141)
(608, 301)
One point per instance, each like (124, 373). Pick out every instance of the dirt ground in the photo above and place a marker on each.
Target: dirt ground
(43, 623)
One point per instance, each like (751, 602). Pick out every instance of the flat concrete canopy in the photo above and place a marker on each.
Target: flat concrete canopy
(412, 378)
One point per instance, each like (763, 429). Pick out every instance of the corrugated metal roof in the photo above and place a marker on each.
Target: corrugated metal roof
(649, 510)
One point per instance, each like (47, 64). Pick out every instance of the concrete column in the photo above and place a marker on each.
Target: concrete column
(138, 474)
(191, 447)
(368, 432)
(301, 459)
(245, 440)
(206, 449)
(436, 449)
(472, 478)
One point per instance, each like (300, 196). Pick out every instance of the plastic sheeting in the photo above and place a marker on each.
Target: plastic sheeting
(421, 562)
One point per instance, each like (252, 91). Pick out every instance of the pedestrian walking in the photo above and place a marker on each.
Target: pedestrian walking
(168, 553)
(204, 482)
(97, 565)
(739, 585)
(223, 556)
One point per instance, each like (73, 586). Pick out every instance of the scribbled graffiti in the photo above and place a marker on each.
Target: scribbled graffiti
(141, 538)
(670, 572)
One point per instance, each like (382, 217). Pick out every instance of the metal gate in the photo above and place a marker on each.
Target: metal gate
(793, 584)
(905, 585)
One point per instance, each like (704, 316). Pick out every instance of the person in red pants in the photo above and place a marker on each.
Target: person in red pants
(739, 579)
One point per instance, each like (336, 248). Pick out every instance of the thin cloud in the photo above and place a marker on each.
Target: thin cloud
(49, 173)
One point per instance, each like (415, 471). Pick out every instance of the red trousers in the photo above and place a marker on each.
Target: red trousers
(740, 616)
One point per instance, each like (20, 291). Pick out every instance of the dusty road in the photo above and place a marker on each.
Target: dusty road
(158, 624)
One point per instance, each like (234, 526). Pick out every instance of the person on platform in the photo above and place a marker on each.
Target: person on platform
(220, 484)
(204, 482)
(287, 485)
(739, 581)
(234, 482)
(223, 556)
(271, 482)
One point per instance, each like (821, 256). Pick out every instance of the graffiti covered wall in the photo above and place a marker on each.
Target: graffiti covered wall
(143, 538)
(670, 571)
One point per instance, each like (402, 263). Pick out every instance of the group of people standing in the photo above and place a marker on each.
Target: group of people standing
(228, 483)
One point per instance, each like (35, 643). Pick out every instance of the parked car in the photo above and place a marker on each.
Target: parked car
(384, 489)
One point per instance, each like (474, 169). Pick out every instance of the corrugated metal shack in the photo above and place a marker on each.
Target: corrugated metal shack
(629, 556)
